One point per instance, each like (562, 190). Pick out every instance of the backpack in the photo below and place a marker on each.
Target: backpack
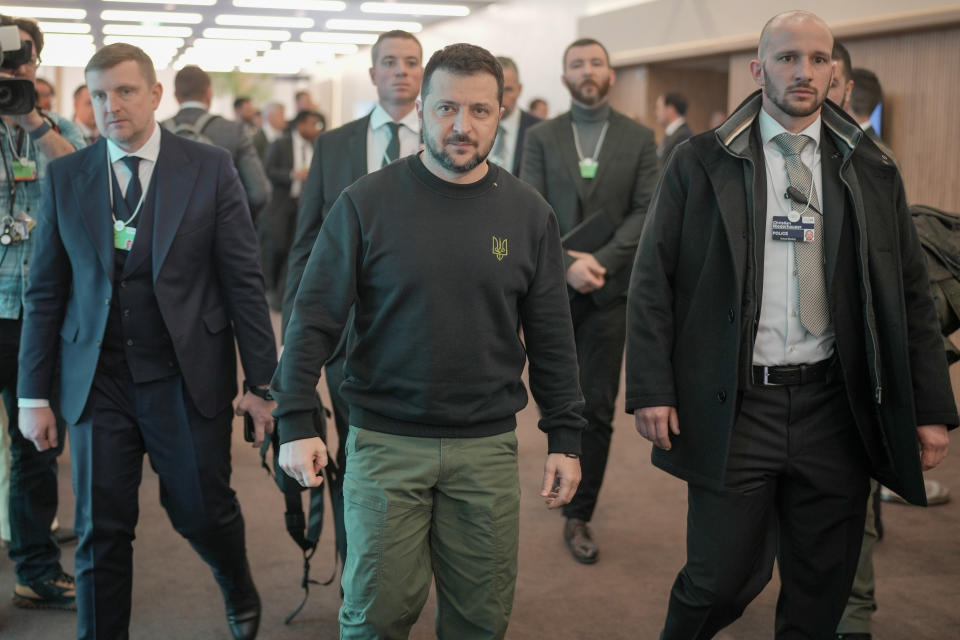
(939, 234)
(191, 131)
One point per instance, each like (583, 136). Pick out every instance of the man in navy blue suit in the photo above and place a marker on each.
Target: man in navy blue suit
(145, 268)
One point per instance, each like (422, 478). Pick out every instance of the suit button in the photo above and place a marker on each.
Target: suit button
(107, 302)
(123, 284)
(730, 315)
(129, 342)
(126, 313)
(722, 396)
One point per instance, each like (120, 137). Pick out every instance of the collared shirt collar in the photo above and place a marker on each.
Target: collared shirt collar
(770, 128)
(673, 126)
(379, 117)
(149, 151)
(866, 124)
(511, 123)
(193, 104)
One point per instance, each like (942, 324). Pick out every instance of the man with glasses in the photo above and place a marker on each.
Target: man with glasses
(27, 144)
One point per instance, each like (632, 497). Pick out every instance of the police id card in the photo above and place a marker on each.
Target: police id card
(802, 230)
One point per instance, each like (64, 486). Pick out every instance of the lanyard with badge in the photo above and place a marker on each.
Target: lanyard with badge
(589, 165)
(16, 227)
(795, 226)
(122, 234)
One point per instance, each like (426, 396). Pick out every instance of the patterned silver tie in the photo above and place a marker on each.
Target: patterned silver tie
(811, 281)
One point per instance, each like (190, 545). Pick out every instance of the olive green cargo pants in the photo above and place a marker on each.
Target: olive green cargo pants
(420, 507)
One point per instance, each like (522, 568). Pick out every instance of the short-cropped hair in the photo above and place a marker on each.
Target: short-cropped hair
(584, 42)
(113, 54)
(867, 92)
(463, 59)
(676, 100)
(396, 33)
(191, 83)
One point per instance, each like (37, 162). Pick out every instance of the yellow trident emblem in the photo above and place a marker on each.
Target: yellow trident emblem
(499, 247)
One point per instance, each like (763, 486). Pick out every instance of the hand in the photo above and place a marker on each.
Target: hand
(260, 410)
(27, 121)
(299, 175)
(933, 444)
(586, 274)
(302, 460)
(561, 477)
(39, 426)
(656, 424)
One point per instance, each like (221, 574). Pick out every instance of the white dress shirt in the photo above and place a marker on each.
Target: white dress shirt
(781, 338)
(511, 130)
(673, 126)
(148, 154)
(378, 136)
(302, 155)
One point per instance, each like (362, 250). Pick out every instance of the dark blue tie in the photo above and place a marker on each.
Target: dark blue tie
(134, 190)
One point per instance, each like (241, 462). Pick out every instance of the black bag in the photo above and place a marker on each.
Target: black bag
(939, 234)
(305, 529)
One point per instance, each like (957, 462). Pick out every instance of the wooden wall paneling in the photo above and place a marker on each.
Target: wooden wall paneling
(629, 93)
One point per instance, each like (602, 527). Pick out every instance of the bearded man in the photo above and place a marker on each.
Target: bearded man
(597, 168)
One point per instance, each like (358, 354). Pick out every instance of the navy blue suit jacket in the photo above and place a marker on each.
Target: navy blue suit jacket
(206, 276)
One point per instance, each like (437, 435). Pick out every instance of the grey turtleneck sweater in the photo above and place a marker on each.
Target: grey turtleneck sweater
(589, 122)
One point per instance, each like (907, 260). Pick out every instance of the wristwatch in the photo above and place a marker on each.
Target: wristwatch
(260, 393)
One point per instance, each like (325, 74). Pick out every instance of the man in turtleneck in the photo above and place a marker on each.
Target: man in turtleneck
(597, 168)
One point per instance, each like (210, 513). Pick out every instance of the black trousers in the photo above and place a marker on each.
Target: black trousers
(795, 490)
(190, 453)
(33, 478)
(600, 333)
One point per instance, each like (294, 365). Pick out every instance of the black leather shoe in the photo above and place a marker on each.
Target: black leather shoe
(577, 536)
(245, 622)
(854, 636)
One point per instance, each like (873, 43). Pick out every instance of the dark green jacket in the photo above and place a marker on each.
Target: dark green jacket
(694, 298)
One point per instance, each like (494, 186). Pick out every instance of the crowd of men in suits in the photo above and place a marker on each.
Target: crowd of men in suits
(757, 382)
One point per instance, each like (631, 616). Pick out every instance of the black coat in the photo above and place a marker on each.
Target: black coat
(339, 160)
(694, 300)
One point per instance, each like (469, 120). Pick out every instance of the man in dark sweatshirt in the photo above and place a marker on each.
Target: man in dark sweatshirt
(446, 257)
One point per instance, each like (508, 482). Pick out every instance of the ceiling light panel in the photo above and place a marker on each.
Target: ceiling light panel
(246, 34)
(332, 37)
(197, 3)
(146, 30)
(414, 9)
(63, 27)
(44, 12)
(151, 17)
(372, 25)
(292, 5)
(293, 22)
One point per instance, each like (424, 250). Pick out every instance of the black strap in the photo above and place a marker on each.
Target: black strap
(303, 528)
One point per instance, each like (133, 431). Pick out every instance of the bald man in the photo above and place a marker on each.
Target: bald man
(782, 345)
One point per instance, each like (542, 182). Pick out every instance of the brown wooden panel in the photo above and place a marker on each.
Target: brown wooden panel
(637, 88)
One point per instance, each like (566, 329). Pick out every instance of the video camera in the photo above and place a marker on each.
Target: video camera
(17, 95)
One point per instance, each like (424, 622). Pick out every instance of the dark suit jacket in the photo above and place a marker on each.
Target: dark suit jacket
(278, 163)
(339, 160)
(622, 188)
(694, 299)
(670, 142)
(233, 137)
(205, 276)
(527, 120)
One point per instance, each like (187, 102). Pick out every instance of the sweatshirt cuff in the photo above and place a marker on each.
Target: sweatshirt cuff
(32, 403)
(564, 440)
(296, 426)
